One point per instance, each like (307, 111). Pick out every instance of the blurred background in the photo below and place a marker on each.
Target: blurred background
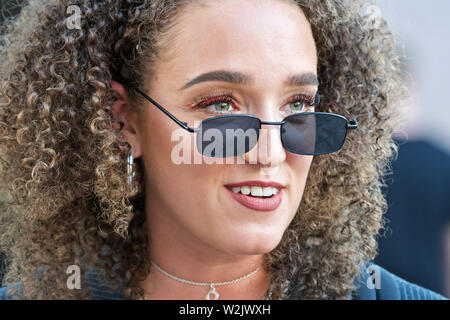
(416, 244)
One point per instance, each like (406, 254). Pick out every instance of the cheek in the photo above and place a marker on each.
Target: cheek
(167, 174)
(300, 166)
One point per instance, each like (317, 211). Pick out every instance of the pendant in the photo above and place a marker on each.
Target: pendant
(213, 292)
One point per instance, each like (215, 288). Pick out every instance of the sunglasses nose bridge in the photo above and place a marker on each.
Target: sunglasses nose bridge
(273, 123)
(269, 150)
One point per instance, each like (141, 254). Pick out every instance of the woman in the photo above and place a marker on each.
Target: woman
(293, 215)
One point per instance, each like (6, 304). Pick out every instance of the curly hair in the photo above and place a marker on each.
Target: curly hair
(63, 171)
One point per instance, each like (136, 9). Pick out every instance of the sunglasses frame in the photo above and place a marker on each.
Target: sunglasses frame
(350, 124)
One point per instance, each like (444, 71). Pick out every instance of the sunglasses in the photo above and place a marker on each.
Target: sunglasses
(306, 133)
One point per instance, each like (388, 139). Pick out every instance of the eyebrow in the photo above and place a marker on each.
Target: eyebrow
(303, 79)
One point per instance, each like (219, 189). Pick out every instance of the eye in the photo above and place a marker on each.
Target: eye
(221, 106)
(300, 103)
(225, 103)
(297, 106)
(218, 104)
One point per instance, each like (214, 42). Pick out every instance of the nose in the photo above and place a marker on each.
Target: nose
(269, 151)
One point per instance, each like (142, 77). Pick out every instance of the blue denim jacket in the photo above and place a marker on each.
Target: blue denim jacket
(386, 286)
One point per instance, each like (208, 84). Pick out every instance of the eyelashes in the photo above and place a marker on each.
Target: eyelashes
(228, 97)
(212, 98)
(300, 97)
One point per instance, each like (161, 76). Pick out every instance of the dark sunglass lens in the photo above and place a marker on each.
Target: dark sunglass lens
(313, 133)
(227, 136)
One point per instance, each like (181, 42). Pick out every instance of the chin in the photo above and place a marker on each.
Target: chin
(253, 244)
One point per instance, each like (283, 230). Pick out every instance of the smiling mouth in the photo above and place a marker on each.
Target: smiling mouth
(262, 197)
(255, 191)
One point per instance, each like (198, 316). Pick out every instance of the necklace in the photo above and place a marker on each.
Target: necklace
(212, 285)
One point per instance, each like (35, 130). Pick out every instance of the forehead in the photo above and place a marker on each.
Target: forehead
(260, 37)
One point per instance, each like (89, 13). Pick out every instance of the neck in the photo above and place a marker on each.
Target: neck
(184, 256)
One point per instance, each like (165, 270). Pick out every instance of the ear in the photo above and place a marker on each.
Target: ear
(122, 112)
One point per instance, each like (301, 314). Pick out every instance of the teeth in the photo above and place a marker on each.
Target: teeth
(256, 191)
(267, 191)
(236, 189)
(245, 190)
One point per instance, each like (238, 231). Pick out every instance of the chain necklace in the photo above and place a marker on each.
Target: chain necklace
(212, 285)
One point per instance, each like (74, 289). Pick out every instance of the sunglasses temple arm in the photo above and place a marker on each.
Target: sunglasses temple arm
(171, 116)
(351, 124)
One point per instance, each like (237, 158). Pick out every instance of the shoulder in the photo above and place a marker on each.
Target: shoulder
(376, 283)
(6, 292)
(3, 293)
(99, 289)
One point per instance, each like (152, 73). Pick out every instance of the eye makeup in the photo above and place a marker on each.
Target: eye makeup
(228, 97)
(212, 98)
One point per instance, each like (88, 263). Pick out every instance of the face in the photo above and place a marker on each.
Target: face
(267, 40)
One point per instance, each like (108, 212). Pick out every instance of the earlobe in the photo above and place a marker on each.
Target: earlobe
(123, 115)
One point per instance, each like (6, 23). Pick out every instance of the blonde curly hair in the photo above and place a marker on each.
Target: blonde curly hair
(63, 171)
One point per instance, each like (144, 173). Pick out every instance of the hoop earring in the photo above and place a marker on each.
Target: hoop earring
(130, 171)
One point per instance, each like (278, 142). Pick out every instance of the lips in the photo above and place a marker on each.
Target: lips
(256, 183)
(256, 202)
